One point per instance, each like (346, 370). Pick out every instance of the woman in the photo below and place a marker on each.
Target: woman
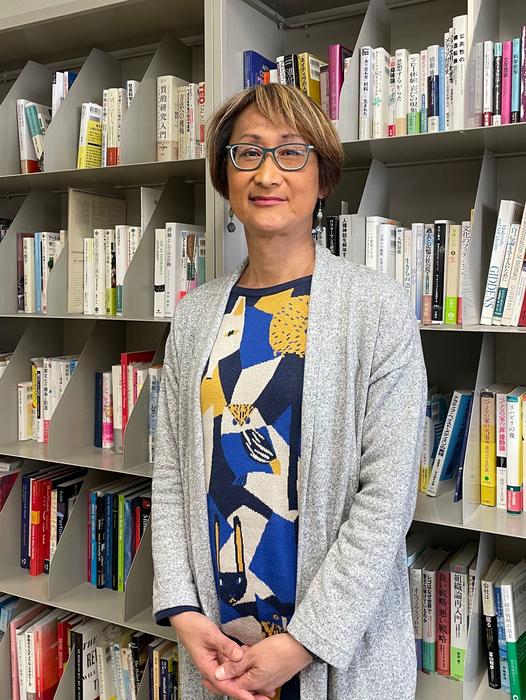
(288, 439)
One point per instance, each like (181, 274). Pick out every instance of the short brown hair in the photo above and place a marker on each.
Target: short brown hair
(280, 104)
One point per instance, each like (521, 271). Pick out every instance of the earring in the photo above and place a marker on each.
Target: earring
(318, 229)
(231, 227)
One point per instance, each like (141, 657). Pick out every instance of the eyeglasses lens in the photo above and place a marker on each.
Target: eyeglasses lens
(248, 157)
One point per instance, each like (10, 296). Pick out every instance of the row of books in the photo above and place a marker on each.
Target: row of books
(108, 433)
(109, 660)
(427, 259)
(446, 428)
(36, 254)
(503, 446)
(319, 79)
(413, 93)
(442, 585)
(5, 223)
(179, 265)
(180, 119)
(48, 496)
(118, 513)
(504, 301)
(39, 396)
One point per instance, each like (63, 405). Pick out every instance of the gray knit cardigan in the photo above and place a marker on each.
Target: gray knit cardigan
(363, 408)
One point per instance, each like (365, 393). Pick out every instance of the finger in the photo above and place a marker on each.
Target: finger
(231, 690)
(233, 669)
(228, 648)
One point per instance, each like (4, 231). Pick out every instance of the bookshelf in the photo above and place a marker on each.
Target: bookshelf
(410, 177)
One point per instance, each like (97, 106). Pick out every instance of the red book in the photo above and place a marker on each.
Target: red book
(522, 317)
(46, 660)
(137, 529)
(63, 628)
(126, 359)
(112, 156)
(15, 623)
(337, 56)
(36, 560)
(505, 110)
(443, 620)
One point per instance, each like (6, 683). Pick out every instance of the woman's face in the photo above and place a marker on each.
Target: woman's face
(270, 200)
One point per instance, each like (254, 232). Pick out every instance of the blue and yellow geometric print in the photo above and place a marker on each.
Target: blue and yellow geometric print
(251, 395)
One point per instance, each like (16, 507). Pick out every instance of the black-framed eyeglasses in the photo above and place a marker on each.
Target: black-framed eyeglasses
(287, 156)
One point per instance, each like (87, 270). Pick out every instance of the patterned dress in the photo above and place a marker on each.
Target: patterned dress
(251, 395)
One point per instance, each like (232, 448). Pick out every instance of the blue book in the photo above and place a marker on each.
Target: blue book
(254, 65)
(93, 536)
(441, 89)
(457, 496)
(108, 538)
(446, 462)
(71, 75)
(516, 81)
(38, 272)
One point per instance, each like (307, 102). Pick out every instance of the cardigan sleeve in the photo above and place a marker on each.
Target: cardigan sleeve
(173, 584)
(351, 582)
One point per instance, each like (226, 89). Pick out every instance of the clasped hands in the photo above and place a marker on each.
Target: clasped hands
(244, 673)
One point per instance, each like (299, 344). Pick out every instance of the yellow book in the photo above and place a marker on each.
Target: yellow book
(452, 274)
(90, 137)
(309, 74)
(488, 444)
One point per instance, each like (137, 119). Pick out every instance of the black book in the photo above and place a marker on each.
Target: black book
(492, 650)
(497, 88)
(97, 438)
(333, 237)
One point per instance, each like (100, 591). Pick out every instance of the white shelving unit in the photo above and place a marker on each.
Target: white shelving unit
(413, 177)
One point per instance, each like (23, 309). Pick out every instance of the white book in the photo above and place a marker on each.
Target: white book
(407, 260)
(57, 91)
(372, 224)
(29, 275)
(460, 57)
(391, 111)
(416, 575)
(430, 595)
(159, 273)
(519, 298)
(193, 120)
(25, 142)
(89, 277)
(366, 92)
(105, 117)
(401, 90)
(512, 306)
(509, 212)
(423, 91)
(173, 253)
(413, 100)
(131, 89)
(513, 590)
(46, 395)
(472, 577)
(464, 247)
(134, 238)
(433, 123)
(418, 233)
(399, 254)
(380, 115)
(448, 82)
(99, 271)
(387, 249)
(501, 434)
(487, 587)
(344, 232)
(25, 406)
(459, 595)
(167, 130)
(48, 239)
(514, 465)
(507, 261)
(121, 261)
(487, 95)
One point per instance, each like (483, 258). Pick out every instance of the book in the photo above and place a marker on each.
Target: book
(29, 163)
(429, 609)
(443, 614)
(488, 443)
(90, 136)
(513, 591)
(254, 65)
(514, 457)
(416, 572)
(489, 616)
(501, 633)
(459, 607)
(83, 641)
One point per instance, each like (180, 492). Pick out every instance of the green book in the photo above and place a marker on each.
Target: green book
(513, 591)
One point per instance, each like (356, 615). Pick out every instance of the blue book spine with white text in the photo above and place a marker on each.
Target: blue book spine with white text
(38, 271)
(516, 81)
(108, 537)
(454, 445)
(254, 66)
(93, 536)
(441, 89)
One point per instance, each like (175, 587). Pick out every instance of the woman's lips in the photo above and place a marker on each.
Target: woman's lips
(266, 201)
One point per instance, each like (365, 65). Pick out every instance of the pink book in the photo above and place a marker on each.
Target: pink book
(505, 109)
(337, 56)
(15, 623)
(443, 619)
(523, 74)
(107, 411)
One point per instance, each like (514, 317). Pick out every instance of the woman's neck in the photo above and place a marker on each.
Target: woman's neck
(277, 259)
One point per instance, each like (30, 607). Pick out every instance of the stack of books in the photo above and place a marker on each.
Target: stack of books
(442, 586)
(502, 440)
(39, 397)
(180, 261)
(36, 254)
(180, 119)
(504, 301)
(48, 498)
(118, 513)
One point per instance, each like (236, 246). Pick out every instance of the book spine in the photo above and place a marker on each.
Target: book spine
(488, 451)
(514, 494)
(510, 628)
(99, 271)
(516, 80)
(452, 275)
(459, 596)
(429, 621)
(441, 89)
(427, 287)
(433, 120)
(107, 411)
(507, 262)
(437, 310)
(380, 93)
(110, 295)
(505, 109)
(366, 88)
(413, 117)
(121, 264)
(423, 91)
(492, 650)
(501, 437)
(443, 623)
(120, 545)
(523, 74)
(460, 56)
(487, 107)
(391, 120)
(497, 82)
(401, 90)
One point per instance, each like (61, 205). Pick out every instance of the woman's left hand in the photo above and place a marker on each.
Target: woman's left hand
(267, 665)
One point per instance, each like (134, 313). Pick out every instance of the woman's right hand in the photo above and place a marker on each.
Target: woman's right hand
(209, 648)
